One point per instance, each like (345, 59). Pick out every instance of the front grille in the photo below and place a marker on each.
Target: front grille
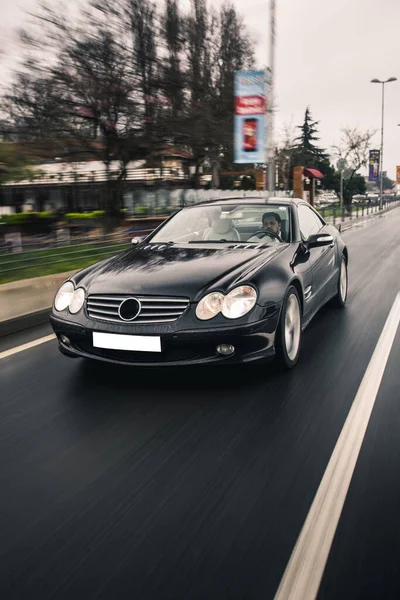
(154, 309)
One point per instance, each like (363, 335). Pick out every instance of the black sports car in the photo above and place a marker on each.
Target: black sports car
(225, 281)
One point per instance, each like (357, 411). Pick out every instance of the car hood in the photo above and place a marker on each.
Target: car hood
(188, 271)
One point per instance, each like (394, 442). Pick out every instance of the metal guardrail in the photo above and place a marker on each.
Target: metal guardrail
(35, 256)
(26, 263)
(337, 214)
(51, 241)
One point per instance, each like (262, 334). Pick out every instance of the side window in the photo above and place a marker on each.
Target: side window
(308, 221)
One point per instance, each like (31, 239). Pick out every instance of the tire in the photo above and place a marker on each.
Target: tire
(289, 333)
(343, 285)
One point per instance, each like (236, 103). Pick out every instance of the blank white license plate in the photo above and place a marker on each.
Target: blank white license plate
(115, 341)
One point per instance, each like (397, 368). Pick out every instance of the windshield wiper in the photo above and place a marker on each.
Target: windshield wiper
(162, 243)
(211, 242)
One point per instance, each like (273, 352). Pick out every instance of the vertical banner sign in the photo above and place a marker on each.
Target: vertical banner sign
(398, 175)
(374, 165)
(249, 119)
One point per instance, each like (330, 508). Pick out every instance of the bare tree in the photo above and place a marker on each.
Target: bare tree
(84, 100)
(234, 53)
(121, 79)
(353, 150)
(142, 21)
(217, 45)
(285, 153)
(172, 74)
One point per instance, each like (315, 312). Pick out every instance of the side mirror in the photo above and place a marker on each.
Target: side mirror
(319, 239)
(134, 241)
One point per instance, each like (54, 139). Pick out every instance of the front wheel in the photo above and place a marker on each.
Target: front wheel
(341, 295)
(289, 332)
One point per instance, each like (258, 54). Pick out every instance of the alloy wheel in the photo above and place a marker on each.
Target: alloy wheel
(292, 327)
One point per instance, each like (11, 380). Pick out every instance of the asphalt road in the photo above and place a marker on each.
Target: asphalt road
(195, 484)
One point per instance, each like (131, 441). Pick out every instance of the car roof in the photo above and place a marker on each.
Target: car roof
(250, 200)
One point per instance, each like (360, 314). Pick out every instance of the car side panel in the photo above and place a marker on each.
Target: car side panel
(273, 280)
(325, 271)
(303, 272)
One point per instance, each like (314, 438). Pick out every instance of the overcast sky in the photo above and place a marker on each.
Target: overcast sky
(327, 52)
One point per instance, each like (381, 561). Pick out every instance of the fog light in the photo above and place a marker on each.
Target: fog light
(65, 340)
(226, 349)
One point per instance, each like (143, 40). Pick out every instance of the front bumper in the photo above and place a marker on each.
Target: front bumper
(192, 346)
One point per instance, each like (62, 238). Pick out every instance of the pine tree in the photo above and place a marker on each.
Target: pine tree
(306, 151)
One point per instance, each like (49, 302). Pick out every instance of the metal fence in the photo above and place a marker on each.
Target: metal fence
(341, 214)
(34, 258)
(46, 254)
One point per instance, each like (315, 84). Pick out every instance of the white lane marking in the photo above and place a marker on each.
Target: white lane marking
(306, 566)
(12, 351)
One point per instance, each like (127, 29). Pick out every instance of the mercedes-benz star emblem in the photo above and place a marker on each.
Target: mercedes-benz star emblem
(129, 309)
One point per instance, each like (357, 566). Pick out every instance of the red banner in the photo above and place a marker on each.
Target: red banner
(250, 105)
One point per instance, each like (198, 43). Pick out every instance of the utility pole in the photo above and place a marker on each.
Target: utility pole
(270, 99)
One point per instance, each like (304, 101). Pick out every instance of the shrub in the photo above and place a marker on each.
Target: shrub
(19, 218)
(248, 182)
(141, 210)
(26, 217)
(227, 182)
(96, 214)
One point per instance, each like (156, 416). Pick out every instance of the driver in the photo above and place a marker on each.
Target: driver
(271, 221)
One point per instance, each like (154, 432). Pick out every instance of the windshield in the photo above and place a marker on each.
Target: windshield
(252, 223)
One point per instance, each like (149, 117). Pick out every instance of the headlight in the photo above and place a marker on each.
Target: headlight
(64, 296)
(239, 302)
(77, 301)
(236, 304)
(209, 306)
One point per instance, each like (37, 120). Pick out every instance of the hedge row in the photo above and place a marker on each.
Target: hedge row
(33, 217)
(25, 217)
(96, 214)
(29, 217)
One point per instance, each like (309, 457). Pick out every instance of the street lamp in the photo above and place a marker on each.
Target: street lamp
(383, 116)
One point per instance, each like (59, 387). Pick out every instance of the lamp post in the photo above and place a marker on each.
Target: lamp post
(397, 177)
(341, 166)
(382, 127)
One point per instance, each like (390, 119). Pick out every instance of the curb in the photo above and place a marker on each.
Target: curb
(27, 302)
(24, 322)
